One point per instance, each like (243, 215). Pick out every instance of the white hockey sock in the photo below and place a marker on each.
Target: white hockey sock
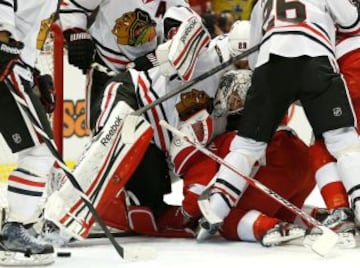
(27, 184)
(24, 195)
(349, 169)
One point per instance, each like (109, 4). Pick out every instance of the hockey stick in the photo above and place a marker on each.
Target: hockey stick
(197, 79)
(321, 246)
(184, 86)
(130, 254)
(132, 118)
(115, 234)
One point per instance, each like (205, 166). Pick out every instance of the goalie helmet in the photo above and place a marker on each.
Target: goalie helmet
(231, 93)
(238, 37)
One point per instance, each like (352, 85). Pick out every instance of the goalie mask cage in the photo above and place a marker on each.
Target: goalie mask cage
(50, 61)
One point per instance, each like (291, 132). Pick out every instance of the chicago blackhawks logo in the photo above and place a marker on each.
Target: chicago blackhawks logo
(44, 31)
(134, 28)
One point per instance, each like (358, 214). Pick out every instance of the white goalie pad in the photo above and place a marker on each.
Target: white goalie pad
(103, 170)
(186, 45)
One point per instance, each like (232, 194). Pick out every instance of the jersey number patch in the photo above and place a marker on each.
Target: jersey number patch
(291, 12)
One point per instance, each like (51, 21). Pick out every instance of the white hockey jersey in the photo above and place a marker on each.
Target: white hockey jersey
(27, 21)
(303, 27)
(116, 56)
(151, 85)
(347, 44)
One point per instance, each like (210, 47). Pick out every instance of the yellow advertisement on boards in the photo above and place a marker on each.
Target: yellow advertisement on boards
(241, 9)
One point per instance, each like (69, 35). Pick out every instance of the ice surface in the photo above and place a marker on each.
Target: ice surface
(217, 252)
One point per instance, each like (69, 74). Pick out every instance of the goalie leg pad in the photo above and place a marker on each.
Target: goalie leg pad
(102, 172)
(142, 220)
(115, 214)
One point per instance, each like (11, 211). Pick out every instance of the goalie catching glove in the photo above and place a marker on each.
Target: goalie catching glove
(9, 54)
(187, 37)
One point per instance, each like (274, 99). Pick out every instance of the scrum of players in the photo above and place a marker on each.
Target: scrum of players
(138, 52)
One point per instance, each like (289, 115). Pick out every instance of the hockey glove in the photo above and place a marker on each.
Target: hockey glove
(9, 53)
(144, 63)
(44, 89)
(81, 48)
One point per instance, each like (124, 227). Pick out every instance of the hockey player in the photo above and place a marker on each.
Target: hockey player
(285, 170)
(125, 36)
(256, 218)
(131, 90)
(23, 29)
(341, 217)
(118, 38)
(294, 47)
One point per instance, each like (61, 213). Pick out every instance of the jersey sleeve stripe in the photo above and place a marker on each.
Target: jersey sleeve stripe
(80, 6)
(6, 3)
(154, 113)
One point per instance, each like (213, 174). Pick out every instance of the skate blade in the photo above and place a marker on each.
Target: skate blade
(9, 258)
(203, 235)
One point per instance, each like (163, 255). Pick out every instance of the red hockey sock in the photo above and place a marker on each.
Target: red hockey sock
(334, 195)
(262, 224)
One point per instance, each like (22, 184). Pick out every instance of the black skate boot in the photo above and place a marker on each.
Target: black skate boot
(19, 247)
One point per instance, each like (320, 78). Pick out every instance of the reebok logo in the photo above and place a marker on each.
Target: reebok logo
(104, 141)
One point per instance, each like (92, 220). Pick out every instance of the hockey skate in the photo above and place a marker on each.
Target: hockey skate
(52, 234)
(341, 221)
(19, 247)
(281, 233)
(206, 230)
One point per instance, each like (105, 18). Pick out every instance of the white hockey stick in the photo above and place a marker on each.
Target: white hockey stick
(128, 253)
(323, 244)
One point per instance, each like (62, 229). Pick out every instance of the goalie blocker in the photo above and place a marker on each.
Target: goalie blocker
(102, 171)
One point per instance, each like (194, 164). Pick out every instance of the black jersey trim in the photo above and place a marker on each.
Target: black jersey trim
(80, 6)
(6, 3)
(162, 109)
(23, 192)
(352, 25)
(299, 33)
